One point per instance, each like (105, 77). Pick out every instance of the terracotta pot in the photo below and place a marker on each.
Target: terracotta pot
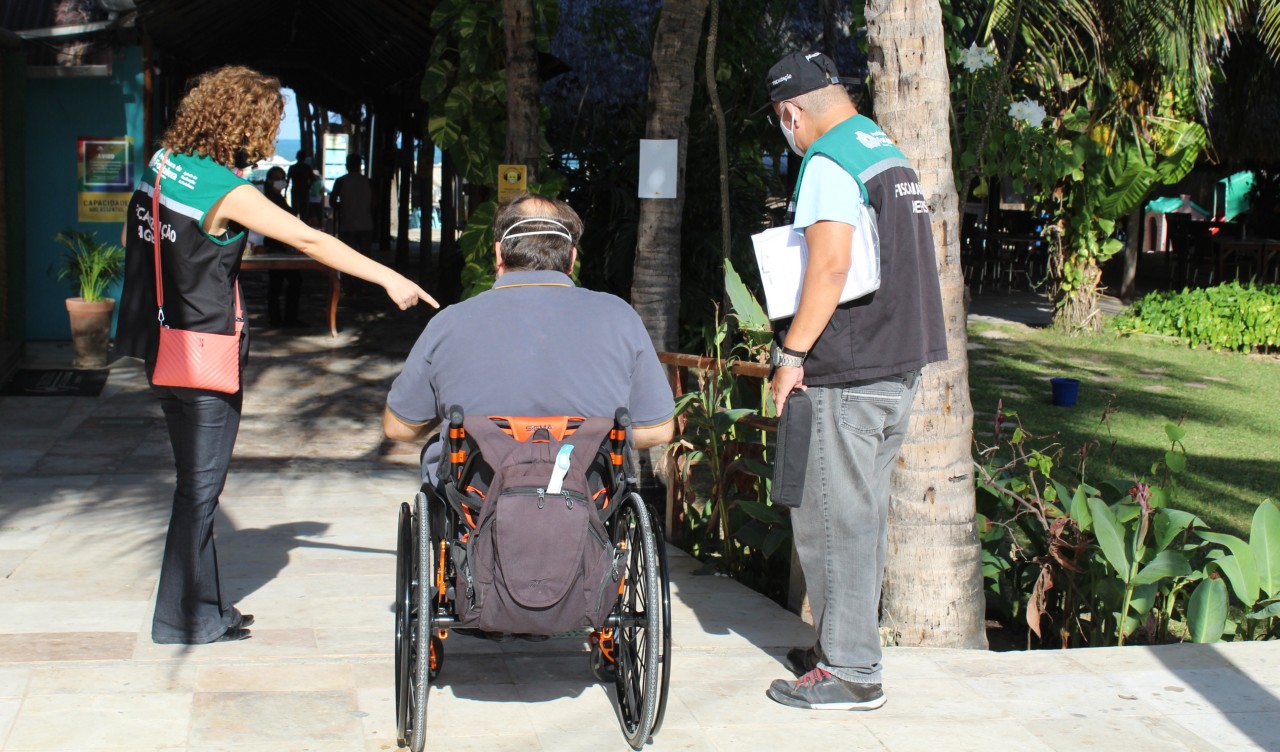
(90, 331)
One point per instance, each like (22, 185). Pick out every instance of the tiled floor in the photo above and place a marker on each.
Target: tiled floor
(306, 542)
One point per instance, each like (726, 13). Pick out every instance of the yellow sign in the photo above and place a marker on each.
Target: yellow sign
(105, 173)
(511, 181)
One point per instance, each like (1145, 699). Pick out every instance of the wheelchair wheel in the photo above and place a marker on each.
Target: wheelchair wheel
(418, 654)
(640, 645)
(664, 660)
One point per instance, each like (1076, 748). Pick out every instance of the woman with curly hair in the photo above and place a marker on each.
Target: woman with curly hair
(227, 121)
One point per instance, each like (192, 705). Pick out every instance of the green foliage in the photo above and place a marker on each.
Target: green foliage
(1213, 396)
(725, 467)
(1108, 564)
(1225, 317)
(465, 88)
(92, 266)
(753, 322)
(1120, 118)
(601, 160)
(478, 271)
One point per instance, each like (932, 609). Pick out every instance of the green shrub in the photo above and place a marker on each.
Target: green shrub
(1226, 317)
(1115, 563)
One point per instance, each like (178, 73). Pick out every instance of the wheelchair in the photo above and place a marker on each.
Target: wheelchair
(628, 649)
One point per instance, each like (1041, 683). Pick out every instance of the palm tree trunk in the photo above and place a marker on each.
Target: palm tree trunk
(522, 85)
(655, 283)
(933, 578)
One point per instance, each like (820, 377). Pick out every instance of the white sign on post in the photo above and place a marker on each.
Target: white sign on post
(658, 167)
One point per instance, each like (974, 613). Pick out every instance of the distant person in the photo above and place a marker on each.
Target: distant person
(227, 120)
(314, 215)
(352, 202)
(300, 178)
(278, 279)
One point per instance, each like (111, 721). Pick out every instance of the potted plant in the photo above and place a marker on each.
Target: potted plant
(92, 266)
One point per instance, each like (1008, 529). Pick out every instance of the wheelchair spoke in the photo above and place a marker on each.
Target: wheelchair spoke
(633, 626)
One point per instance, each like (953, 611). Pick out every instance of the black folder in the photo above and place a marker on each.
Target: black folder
(792, 452)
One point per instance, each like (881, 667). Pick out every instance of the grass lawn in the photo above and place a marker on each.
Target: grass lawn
(1228, 403)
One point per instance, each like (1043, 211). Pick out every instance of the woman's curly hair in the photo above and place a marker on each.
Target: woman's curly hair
(231, 115)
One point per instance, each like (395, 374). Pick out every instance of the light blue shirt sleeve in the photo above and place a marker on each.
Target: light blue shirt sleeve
(828, 193)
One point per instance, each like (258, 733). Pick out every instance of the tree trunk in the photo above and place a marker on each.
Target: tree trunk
(722, 138)
(655, 285)
(1080, 312)
(1132, 252)
(829, 38)
(522, 85)
(933, 577)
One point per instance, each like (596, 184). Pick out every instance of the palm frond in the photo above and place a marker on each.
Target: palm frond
(1268, 25)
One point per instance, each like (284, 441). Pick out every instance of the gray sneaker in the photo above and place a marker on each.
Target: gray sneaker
(820, 690)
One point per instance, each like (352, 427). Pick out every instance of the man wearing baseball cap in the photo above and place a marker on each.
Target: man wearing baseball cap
(859, 362)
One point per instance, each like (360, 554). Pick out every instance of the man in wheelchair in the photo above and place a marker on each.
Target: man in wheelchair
(533, 345)
(501, 488)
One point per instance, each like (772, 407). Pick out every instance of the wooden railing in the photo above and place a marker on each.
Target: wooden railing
(678, 366)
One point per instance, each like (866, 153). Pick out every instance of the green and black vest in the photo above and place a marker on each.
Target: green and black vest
(899, 327)
(199, 269)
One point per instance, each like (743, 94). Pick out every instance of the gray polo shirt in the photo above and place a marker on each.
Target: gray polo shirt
(533, 345)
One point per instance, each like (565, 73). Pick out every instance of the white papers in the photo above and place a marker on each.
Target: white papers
(783, 257)
(658, 167)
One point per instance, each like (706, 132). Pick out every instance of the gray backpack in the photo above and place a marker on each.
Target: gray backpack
(539, 559)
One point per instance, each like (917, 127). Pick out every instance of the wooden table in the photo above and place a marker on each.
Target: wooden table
(287, 261)
(1262, 250)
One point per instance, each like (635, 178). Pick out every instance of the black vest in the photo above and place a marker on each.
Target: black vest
(199, 275)
(899, 327)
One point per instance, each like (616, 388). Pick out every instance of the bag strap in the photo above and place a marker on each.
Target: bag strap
(155, 236)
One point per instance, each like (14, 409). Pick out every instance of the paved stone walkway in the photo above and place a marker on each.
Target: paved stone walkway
(307, 545)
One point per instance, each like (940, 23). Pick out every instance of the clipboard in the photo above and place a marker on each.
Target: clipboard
(783, 256)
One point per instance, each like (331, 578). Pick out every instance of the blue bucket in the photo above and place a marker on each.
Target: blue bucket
(1065, 391)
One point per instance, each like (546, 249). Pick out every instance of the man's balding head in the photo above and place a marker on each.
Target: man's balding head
(537, 233)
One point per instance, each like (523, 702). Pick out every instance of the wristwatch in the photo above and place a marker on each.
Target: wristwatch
(785, 356)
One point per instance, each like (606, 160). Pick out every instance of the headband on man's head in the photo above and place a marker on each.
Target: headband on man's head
(562, 232)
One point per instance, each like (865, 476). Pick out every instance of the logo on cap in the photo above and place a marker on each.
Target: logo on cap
(777, 81)
(812, 55)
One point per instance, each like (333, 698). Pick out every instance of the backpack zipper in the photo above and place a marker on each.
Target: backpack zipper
(541, 493)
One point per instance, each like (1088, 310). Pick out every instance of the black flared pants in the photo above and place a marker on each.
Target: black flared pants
(190, 607)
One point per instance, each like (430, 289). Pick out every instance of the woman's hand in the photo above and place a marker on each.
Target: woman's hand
(405, 293)
(246, 206)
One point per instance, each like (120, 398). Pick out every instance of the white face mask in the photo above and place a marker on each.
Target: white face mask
(277, 185)
(789, 134)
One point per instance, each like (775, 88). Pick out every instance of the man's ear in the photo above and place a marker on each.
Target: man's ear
(573, 258)
(497, 256)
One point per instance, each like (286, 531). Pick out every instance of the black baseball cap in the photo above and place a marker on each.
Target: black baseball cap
(800, 73)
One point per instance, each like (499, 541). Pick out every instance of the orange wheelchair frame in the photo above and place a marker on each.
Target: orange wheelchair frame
(630, 653)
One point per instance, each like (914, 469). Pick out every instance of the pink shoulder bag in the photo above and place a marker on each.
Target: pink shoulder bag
(193, 359)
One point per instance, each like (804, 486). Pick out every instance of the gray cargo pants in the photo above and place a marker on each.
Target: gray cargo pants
(840, 525)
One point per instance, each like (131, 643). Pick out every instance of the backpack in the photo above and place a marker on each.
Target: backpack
(539, 559)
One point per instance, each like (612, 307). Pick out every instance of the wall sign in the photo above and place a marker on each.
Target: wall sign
(658, 168)
(105, 173)
(512, 181)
